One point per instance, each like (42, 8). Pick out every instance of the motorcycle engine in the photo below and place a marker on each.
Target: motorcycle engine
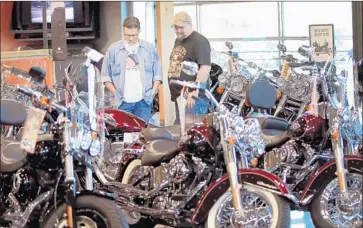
(23, 186)
(287, 153)
(176, 171)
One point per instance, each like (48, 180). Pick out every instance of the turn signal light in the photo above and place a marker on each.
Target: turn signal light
(335, 135)
(220, 90)
(278, 94)
(254, 162)
(44, 101)
(94, 135)
(232, 141)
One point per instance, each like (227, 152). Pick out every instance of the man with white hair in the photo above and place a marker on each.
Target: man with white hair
(190, 48)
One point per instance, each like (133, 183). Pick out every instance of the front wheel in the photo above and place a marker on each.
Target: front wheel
(91, 212)
(261, 208)
(330, 209)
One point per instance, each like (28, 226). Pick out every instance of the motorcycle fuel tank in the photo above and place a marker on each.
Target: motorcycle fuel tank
(127, 121)
(306, 126)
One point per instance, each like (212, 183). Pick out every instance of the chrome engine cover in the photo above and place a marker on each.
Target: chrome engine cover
(289, 153)
(177, 170)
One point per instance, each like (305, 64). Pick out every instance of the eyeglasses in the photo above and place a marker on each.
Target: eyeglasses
(131, 35)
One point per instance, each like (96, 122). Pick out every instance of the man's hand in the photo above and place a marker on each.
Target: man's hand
(190, 100)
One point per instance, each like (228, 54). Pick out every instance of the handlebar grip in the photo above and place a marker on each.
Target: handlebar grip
(301, 64)
(191, 85)
(59, 107)
(25, 90)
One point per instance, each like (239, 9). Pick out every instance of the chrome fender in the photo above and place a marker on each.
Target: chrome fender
(254, 177)
(326, 173)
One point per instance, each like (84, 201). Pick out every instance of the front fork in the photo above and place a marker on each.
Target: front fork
(231, 165)
(69, 178)
(337, 142)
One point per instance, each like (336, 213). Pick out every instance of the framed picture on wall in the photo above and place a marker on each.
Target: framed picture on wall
(322, 42)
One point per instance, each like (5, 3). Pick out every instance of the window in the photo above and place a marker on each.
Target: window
(239, 20)
(248, 24)
(145, 12)
(263, 53)
(299, 15)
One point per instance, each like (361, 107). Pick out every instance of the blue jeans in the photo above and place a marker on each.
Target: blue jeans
(140, 109)
(200, 108)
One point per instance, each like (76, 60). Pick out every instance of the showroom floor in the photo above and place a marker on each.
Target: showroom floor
(298, 220)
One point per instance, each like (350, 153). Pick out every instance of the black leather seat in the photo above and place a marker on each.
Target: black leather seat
(274, 138)
(167, 133)
(12, 157)
(274, 123)
(158, 151)
(274, 131)
(12, 113)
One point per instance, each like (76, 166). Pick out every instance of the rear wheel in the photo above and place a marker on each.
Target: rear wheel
(262, 210)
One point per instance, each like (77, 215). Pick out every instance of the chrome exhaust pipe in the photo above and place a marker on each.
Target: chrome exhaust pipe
(129, 206)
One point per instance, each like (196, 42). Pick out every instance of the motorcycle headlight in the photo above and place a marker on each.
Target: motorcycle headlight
(86, 141)
(239, 85)
(95, 147)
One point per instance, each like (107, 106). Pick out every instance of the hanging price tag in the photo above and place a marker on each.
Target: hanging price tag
(32, 126)
(286, 70)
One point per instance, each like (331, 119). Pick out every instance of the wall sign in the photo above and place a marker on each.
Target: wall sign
(322, 42)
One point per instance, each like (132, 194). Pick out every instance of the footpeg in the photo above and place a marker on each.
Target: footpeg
(179, 197)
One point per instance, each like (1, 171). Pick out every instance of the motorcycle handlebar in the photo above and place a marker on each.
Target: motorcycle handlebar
(294, 64)
(193, 85)
(31, 93)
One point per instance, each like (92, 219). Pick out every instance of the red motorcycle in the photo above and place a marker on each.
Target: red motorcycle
(196, 182)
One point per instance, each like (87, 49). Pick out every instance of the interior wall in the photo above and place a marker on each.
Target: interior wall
(8, 43)
(357, 14)
(110, 25)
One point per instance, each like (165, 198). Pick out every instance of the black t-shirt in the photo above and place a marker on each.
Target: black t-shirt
(195, 48)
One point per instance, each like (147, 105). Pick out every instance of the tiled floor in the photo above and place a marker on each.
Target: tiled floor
(298, 220)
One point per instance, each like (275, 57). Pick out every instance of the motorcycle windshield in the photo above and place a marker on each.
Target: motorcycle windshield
(338, 82)
(254, 66)
(265, 63)
(85, 103)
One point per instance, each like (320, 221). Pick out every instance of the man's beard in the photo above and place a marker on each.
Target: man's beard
(180, 37)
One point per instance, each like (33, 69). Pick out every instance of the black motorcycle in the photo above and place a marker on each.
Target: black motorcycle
(46, 180)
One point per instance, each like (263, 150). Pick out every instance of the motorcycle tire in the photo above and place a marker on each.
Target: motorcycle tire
(279, 206)
(316, 208)
(139, 221)
(104, 209)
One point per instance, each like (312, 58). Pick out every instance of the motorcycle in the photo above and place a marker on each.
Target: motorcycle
(322, 49)
(41, 182)
(234, 83)
(196, 183)
(316, 155)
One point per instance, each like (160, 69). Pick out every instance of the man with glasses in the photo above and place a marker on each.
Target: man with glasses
(190, 60)
(131, 70)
